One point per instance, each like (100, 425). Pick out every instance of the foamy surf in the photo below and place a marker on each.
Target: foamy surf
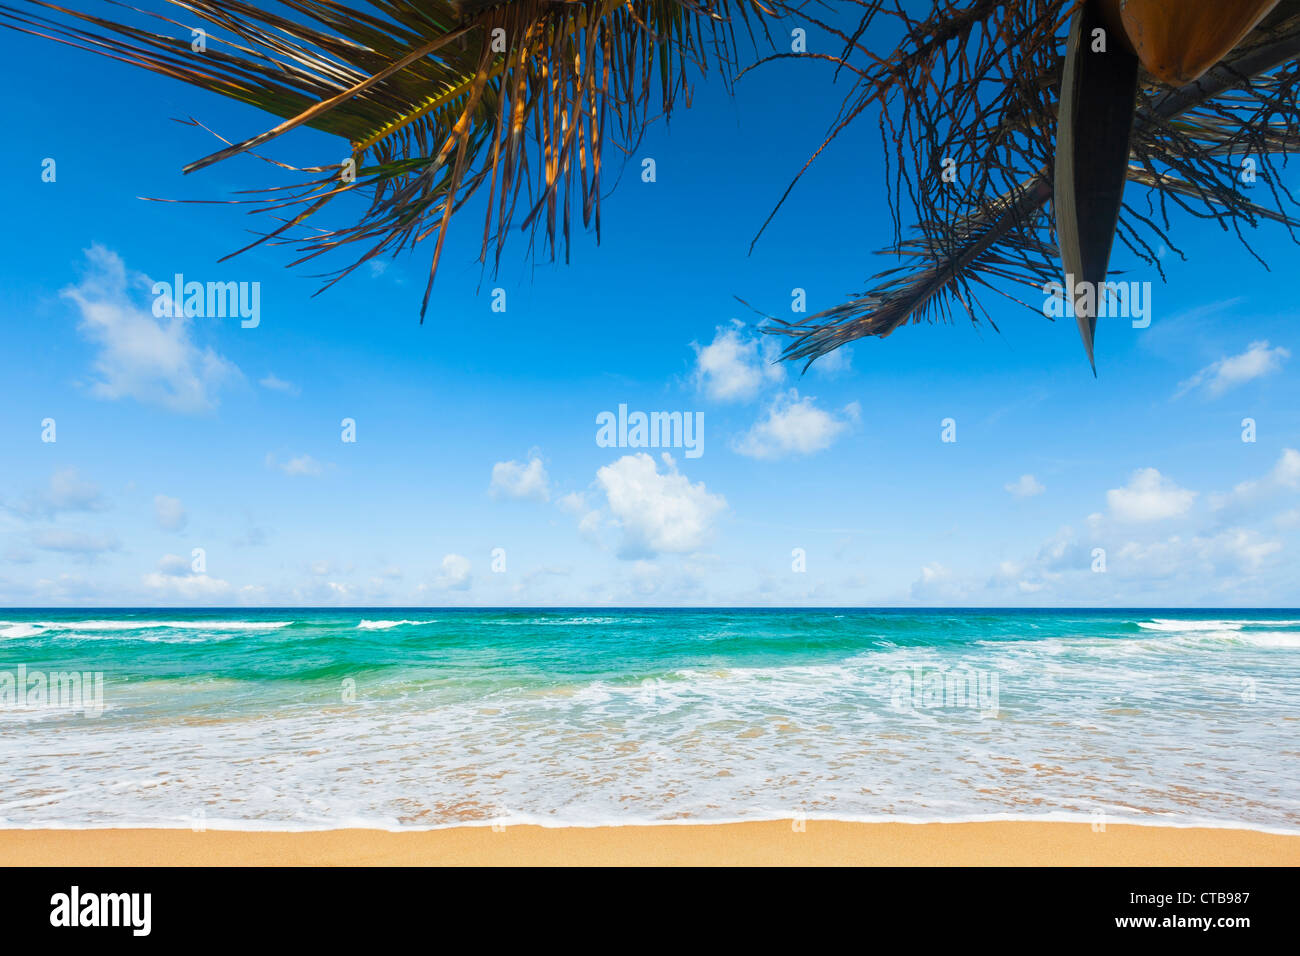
(1176, 626)
(656, 717)
(20, 630)
(129, 625)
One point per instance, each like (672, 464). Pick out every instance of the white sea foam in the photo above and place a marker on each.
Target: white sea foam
(568, 621)
(1234, 624)
(15, 629)
(390, 825)
(385, 625)
(1270, 638)
(1175, 626)
(154, 625)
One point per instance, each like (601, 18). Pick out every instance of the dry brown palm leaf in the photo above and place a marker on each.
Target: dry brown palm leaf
(437, 100)
(975, 87)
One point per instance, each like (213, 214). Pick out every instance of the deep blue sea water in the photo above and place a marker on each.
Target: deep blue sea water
(305, 718)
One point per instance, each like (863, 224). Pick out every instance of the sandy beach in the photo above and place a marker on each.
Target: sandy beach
(820, 843)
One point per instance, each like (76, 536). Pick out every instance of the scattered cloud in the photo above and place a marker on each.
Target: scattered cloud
(513, 479)
(1286, 472)
(1132, 554)
(1149, 496)
(191, 587)
(937, 585)
(1288, 519)
(575, 502)
(734, 367)
(1026, 486)
(547, 571)
(1284, 476)
(1218, 377)
(454, 573)
(77, 543)
(1242, 548)
(590, 519)
(67, 491)
(169, 513)
(834, 364)
(152, 360)
(657, 511)
(795, 426)
(173, 565)
(301, 465)
(277, 384)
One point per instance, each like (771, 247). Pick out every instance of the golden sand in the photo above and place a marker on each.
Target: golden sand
(819, 843)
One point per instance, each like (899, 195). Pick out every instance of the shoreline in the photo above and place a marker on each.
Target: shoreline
(760, 843)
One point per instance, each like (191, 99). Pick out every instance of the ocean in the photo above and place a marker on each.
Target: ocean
(290, 719)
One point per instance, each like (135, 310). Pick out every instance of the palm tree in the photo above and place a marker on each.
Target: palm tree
(437, 100)
(1041, 130)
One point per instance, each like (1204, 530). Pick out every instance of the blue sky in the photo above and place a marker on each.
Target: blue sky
(477, 430)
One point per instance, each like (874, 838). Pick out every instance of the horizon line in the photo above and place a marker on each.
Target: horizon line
(635, 607)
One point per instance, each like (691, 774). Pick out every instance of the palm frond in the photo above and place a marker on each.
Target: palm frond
(437, 100)
(978, 83)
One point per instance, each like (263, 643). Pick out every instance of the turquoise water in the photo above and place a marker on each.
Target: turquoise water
(294, 718)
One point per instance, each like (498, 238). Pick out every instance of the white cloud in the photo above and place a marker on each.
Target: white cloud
(590, 520)
(1288, 519)
(1285, 476)
(546, 571)
(658, 512)
(169, 513)
(1026, 486)
(646, 578)
(1155, 549)
(190, 587)
(513, 479)
(1246, 548)
(78, 543)
(834, 364)
(938, 585)
(277, 384)
(1236, 550)
(148, 359)
(1287, 470)
(934, 572)
(794, 426)
(301, 465)
(734, 367)
(67, 491)
(1149, 496)
(1218, 377)
(574, 502)
(455, 573)
(173, 565)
